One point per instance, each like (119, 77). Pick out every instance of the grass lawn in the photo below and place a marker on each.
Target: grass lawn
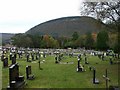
(64, 75)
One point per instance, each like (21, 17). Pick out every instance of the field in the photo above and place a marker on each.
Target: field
(65, 75)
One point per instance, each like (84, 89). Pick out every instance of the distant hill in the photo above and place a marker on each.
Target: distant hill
(66, 26)
(6, 37)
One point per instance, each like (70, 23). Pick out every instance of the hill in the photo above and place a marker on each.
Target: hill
(66, 26)
(6, 37)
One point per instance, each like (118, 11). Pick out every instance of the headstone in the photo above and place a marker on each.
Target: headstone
(79, 67)
(29, 74)
(28, 58)
(15, 81)
(106, 78)
(5, 62)
(36, 56)
(56, 59)
(40, 65)
(10, 56)
(13, 60)
(32, 56)
(95, 81)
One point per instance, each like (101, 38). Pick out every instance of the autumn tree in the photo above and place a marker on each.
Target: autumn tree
(49, 42)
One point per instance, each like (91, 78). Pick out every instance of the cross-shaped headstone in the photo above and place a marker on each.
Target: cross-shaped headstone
(106, 78)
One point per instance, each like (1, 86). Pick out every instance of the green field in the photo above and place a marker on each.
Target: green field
(65, 75)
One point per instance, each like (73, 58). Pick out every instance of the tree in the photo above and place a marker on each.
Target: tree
(75, 36)
(105, 12)
(49, 42)
(89, 42)
(109, 11)
(80, 42)
(102, 40)
(22, 40)
(36, 40)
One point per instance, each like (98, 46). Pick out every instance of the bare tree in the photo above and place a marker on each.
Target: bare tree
(104, 11)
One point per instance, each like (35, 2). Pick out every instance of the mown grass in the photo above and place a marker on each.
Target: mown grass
(64, 75)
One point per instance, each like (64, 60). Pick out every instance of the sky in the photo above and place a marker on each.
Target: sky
(18, 16)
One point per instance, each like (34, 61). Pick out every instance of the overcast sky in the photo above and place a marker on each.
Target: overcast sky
(18, 16)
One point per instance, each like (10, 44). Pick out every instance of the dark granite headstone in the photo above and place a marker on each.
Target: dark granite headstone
(29, 74)
(56, 59)
(15, 81)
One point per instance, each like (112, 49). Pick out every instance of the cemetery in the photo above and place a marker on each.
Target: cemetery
(78, 50)
(55, 68)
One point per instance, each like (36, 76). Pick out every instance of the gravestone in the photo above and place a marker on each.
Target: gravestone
(95, 81)
(10, 56)
(5, 62)
(40, 65)
(32, 57)
(106, 78)
(28, 58)
(56, 59)
(36, 56)
(15, 81)
(79, 67)
(29, 74)
(13, 60)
